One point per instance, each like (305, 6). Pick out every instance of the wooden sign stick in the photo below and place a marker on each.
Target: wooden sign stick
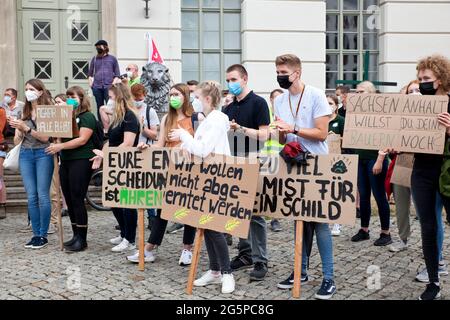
(141, 228)
(58, 203)
(298, 259)
(195, 258)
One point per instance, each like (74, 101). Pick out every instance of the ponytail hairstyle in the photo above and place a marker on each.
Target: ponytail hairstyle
(213, 90)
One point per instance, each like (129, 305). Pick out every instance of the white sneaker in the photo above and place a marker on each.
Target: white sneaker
(116, 240)
(336, 231)
(148, 257)
(398, 246)
(186, 258)
(228, 283)
(208, 278)
(123, 246)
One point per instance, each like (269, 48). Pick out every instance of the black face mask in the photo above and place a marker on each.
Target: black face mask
(100, 50)
(284, 82)
(427, 88)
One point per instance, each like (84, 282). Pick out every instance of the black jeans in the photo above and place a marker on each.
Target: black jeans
(219, 258)
(127, 219)
(75, 176)
(424, 187)
(159, 228)
(369, 183)
(101, 98)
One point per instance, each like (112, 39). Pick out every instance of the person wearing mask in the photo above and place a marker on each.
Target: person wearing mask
(123, 132)
(3, 149)
(34, 159)
(60, 100)
(250, 119)
(335, 126)
(76, 170)
(273, 147)
(372, 170)
(192, 85)
(433, 73)
(309, 128)
(211, 137)
(13, 108)
(180, 115)
(132, 75)
(104, 71)
(341, 94)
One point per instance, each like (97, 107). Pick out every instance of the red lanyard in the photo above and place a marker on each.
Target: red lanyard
(298, 106)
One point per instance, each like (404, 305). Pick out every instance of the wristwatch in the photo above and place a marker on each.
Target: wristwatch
(295, 131)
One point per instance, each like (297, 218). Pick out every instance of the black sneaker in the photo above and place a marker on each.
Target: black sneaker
(30, 244)
(241, 262)
(40, 243)
(275, 225)
(361, 235)
(383, 240)
(289, 282)
(259, 272)
(327, 290)
(432, 292)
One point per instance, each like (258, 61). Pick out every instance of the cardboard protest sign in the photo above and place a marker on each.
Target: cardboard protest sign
(133, 178)
(406, 123)
(217, 193)
(55, 121)
(403, 169)
(323, 191)
(334, 143)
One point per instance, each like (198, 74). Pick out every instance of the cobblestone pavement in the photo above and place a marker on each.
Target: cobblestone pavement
(100, 274)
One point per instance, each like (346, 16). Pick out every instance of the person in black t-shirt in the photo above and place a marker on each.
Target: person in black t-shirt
(250, 119)
(123, 132)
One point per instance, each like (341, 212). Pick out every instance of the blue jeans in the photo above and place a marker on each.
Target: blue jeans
(440, 226)
(36, 168)
(325, 244)
(369, 183)
(101, 98)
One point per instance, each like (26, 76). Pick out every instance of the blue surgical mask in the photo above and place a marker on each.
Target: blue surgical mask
(72, 102)
(7, 100)
(235, 88)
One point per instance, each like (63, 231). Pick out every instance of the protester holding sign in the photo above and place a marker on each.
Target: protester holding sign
(249, 116)
(433, 73)
(76, 170)
(181, 115)
(302, 115)
(36, 167)
(335, 126)
(372, 170)
(124, 132)
(211, 137)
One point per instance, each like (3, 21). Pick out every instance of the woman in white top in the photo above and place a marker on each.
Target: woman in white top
(211, 137)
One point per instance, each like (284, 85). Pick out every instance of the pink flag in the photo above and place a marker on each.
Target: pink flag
(153, 53)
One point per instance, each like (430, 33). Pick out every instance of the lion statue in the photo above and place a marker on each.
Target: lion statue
(156, 79)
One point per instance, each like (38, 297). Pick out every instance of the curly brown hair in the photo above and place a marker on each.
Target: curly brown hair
(440, 66)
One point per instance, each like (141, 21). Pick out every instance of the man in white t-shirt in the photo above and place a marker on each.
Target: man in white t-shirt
(302, 114)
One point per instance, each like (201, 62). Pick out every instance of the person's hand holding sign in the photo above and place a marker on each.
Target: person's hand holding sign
(97, 160)
(444, 119)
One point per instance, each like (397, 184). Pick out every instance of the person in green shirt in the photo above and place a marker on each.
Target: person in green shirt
(76, 167)
(133, 75)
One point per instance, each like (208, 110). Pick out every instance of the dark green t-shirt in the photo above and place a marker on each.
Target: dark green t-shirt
(337, 125)
(367, 154)
(84, 120)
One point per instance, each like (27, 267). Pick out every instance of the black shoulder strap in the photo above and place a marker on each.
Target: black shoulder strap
(148, 116)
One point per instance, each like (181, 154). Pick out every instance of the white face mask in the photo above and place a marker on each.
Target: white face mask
(139, 104)
(129, 74)
(31, 95)
(7, 100)
(111, 104)
(197, 104)
(415, 93)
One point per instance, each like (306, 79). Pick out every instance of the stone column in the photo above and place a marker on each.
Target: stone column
(109, 24)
